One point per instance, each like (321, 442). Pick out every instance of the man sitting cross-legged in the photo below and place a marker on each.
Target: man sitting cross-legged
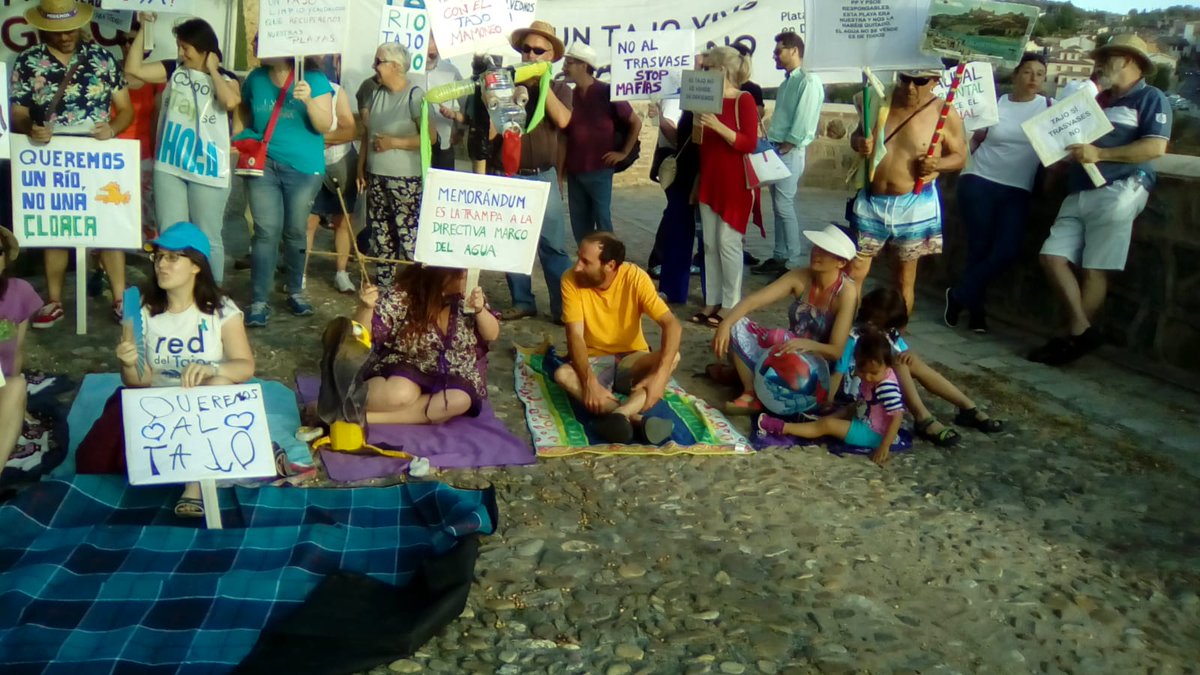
(604, 299)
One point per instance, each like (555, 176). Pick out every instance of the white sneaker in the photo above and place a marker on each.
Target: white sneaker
(341, 281)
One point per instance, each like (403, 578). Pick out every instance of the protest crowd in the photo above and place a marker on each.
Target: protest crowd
(288, 144)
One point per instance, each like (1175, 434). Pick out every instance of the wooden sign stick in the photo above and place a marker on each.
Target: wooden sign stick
(937, 132)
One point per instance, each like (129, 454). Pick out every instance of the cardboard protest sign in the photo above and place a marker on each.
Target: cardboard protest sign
(294, 29)
(966, 28)
(407, 24)
(165, 6)
(77, 192)
(4, 121)
(111, 18)
(882, 34)
(1077, 119)
(482, 222)
(975, 99)
(177, 435)
(470, 26)
(649, 65)
(702, 91)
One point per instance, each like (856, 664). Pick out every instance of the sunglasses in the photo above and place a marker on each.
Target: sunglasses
(536, 51)
(919, 81)
(378, 62)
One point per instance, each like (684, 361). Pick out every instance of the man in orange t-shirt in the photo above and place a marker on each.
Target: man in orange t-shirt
(604, 299)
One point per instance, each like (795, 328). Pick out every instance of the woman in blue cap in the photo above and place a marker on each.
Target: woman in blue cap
(192, 335)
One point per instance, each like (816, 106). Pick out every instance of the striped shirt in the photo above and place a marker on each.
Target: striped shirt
(884, 400)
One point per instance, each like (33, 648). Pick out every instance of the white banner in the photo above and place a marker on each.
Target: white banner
(194, 144)
(975, 99)
(77, 192)
(164, 6)
(647, 66)
(408, 25)
(291, 28)
(881, 34)
(476, 221)
(1077, 119)
(177, 435)
(4, 120)
(703, 91)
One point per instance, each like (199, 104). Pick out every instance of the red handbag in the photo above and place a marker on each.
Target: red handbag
(252, 152)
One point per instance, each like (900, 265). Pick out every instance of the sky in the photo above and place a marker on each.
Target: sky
(1123, 6)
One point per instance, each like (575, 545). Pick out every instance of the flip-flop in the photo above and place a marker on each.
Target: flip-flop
(971, 418)
(189, 507)
(699, 317)
(753, 406)
(946, 438)
(714, 320)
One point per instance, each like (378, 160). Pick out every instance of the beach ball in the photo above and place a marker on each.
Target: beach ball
(792, 383)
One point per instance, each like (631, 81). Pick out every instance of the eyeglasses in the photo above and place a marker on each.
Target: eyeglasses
(380, 62)
(919, 81)
(169, 257)
(536, 51)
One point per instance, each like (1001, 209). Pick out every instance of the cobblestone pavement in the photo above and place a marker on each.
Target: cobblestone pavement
(1066, 544)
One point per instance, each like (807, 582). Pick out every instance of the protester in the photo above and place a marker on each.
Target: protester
(888, 209)
(676, 236)
(68, 85)
(721, 190)
(193, 335)
(18, 304)
(438, 72)
(793, 127)
(143, 96)
(539, 161)
(282, 197)
(341, 175)
(820, 316)
(756, 91)
(428, 360)
(389, 165)
(1094, 226)
(878, 425)
(191, 176)
(604, 299)
(589, 154)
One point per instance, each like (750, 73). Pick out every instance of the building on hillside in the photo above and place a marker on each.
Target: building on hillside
(1080, 42)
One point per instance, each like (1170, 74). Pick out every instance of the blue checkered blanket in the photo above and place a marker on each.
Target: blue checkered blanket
(98, 577)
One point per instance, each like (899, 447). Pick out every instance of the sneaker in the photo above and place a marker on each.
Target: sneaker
(1051, 351)
(259, 314)
(768, 425)
(770, 267)
(49, 315)
(613, 428)
(978, 322)
(298, 305)
(953, 309)
(695, 270)
(241, 264)
(341, 282)
(749, 259)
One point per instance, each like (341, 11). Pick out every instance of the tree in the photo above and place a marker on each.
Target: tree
(1162, 77)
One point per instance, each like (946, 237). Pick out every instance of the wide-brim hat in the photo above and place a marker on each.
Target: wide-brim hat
(834, 240)
(59, 16)
(541, 28)
(922, 72)
(1130, 44)
(581, 52)
(11, 246)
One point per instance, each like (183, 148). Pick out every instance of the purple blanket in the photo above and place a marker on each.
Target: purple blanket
(461, 443)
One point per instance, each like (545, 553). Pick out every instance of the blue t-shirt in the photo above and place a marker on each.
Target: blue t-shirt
(295, 142)
(845, 365)
(1143, 112)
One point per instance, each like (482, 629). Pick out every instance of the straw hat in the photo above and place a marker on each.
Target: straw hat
(581, 52)
(541, 28)
(1130, 45)
(11, 247)
(59, 16)
(834, 240)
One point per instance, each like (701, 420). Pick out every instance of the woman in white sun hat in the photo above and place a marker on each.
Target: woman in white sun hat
(819, 318)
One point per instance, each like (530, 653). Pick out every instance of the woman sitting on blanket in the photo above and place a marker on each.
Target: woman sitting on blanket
(193, 335)
(18, 303)
(883, 309)
(428, 360)
(820, 316)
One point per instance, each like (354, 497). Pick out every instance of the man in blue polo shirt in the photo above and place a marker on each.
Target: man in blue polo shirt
(1090, 238)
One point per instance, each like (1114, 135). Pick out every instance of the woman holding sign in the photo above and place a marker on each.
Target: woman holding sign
(191, 169)
(994, 194)
(191, 335)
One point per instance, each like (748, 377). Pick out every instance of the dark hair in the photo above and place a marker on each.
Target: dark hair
(611, 248)
(873, 346)
(791, 40)
(208, 295)
(742, 48)
(883, 308)
(200, 35)
(1030, 56)
(425, 288)
(7, 271)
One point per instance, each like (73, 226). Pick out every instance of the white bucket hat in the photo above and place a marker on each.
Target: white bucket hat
(582, 52)
(835, 241)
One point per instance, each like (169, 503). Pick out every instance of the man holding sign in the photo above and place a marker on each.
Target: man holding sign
(1095, 224)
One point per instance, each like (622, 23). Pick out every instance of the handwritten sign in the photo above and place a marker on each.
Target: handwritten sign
(650, 65)
(702, 91)
(194, 142)
(1073, 120)
(882, 34)
(470, 26)
(110, 18)
(77, 192)
(408, 25)
(294, 28)
(4, 121)
(477, 221)
(963, 28)
(976, 96)
(166, 6)
(177, 435)
(521, 12)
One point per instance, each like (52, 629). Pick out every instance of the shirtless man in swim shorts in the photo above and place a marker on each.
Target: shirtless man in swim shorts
(888, 210)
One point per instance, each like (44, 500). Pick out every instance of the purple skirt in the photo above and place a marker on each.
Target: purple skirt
(434, 384)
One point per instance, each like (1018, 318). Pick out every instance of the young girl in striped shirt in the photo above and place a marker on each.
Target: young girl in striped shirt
(875, 424)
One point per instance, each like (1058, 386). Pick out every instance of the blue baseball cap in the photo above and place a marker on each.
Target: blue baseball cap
(182, 235)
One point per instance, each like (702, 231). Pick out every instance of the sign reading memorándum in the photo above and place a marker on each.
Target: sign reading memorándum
(649, 65)
(177, 435)
(473, 221)
(77, 192)
(291, 28)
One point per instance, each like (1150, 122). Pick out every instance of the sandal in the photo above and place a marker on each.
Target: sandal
(714, 320)
(189, 507)
(721, 373)
(749, 406)
(976, 420)
(699, 317)
(946, 438)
